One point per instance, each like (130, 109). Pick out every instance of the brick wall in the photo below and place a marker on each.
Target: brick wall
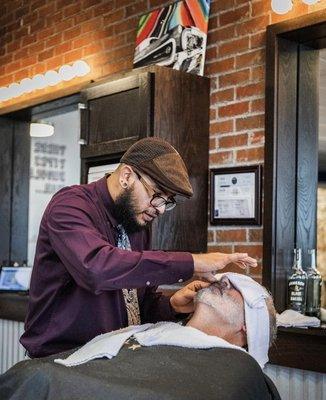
(38, 35)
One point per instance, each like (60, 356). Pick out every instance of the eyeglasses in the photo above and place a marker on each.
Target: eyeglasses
(157, 200)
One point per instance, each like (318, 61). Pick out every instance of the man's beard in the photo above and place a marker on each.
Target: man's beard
(125, 212)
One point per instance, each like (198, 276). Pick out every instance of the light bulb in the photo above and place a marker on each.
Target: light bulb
(66, 72)
(26, 85)
(39, 81)
(81, 68)
(15, 90)
(52, 78)
(40, 129)
(4, 94)
(310, 2)
(282, 6)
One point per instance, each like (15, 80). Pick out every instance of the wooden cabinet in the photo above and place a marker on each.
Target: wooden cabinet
(155, 101)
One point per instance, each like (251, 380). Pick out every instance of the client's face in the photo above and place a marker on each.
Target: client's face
(227, 303)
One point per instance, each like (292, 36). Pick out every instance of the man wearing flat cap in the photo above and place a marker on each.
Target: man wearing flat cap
(93, 269)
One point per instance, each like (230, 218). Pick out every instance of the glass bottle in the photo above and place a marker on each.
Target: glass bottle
(297, 284)
(313, 287)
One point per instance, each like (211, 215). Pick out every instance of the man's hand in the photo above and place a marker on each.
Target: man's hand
(183, 300)
(206, 265)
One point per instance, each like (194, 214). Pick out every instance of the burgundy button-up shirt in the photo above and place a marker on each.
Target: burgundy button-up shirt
(78, 274)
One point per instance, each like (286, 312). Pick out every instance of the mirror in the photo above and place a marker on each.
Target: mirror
(54, 164)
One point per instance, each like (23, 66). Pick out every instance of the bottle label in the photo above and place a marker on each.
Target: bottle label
(297, 294)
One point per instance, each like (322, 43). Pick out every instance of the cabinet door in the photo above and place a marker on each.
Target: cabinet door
(117, 114)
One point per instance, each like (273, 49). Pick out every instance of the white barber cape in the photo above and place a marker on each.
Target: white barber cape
(162, 333)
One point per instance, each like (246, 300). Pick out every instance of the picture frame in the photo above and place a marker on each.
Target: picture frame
(235, 195)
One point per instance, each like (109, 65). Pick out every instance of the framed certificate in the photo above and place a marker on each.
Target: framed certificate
(235, 195)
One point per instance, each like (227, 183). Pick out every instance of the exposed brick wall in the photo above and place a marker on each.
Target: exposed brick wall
(38, 35)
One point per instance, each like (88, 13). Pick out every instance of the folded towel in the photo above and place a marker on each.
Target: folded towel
(256, 314)
(293, 318)
(162, 333)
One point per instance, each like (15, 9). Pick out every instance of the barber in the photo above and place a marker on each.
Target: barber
(93, 270)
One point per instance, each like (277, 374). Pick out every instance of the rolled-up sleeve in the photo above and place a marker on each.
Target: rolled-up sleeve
(97, 265)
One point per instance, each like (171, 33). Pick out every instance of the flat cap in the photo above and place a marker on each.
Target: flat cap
(160, 161)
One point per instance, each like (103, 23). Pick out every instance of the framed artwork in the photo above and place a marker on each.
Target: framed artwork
(235, 195)
(174, 36)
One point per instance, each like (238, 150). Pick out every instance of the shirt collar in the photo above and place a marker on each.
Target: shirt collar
(106, 198)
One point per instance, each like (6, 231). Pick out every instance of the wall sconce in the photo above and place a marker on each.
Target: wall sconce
(284, 6)
(50, 78)
(41, 129)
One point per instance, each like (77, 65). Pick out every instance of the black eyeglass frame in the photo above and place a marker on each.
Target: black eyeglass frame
(169, 204)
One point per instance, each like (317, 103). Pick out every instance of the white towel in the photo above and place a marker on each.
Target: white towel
(162, 333)
(256, 314)
(106, 345)
(293, 318)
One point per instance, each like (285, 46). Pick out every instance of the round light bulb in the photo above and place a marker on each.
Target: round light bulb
(310, 2)
(4, 94)
(52, 78)
(66, 72)
(282, 6)
(39, 81)
(15, 90)
(26, 85)
(81, 68)
(39, 129)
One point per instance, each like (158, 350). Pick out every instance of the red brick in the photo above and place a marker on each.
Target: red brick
(81, 41)
(254, 154)
(21, 32)
(258, 73)
(220, 66)
(84, 16)
(233, 141)
(37, 26)
(47, 10)
(253, 58)
(231, 235)
(54, 63)
(28, 40)
(73, 56)
(218, 6)
(234, 16)
(221, 127)
(54, 18)
(234, 78)
(21, 12)
(44, 55)
(36, 48)
(135, 9)
(21, 54)
(211, 53)
(217, 35)
(14, 46)
(260, 7)
(233, 109)
(90, 26)
(64, 25)
(114, 41)
(126, 25)
(253, 25)
(255, 251)
(252, 122)
(93, 48)
(89, 3)
(212, 143)
(257, 137)
(28, 61)
(210, 236)
(254, 89)
(257, 105)
(212, 114)
(234, 46)
(72, 33)
(115, 16)
(45, 33)
(258, 40)
(256, 235)
(222, 95)
(223, 157)
(54, 40)
(71, 10)
(104, 8)
(12, 67)
(63, 48)
(220, 249)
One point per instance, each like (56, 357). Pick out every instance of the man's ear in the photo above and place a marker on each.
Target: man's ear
(126, 176)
